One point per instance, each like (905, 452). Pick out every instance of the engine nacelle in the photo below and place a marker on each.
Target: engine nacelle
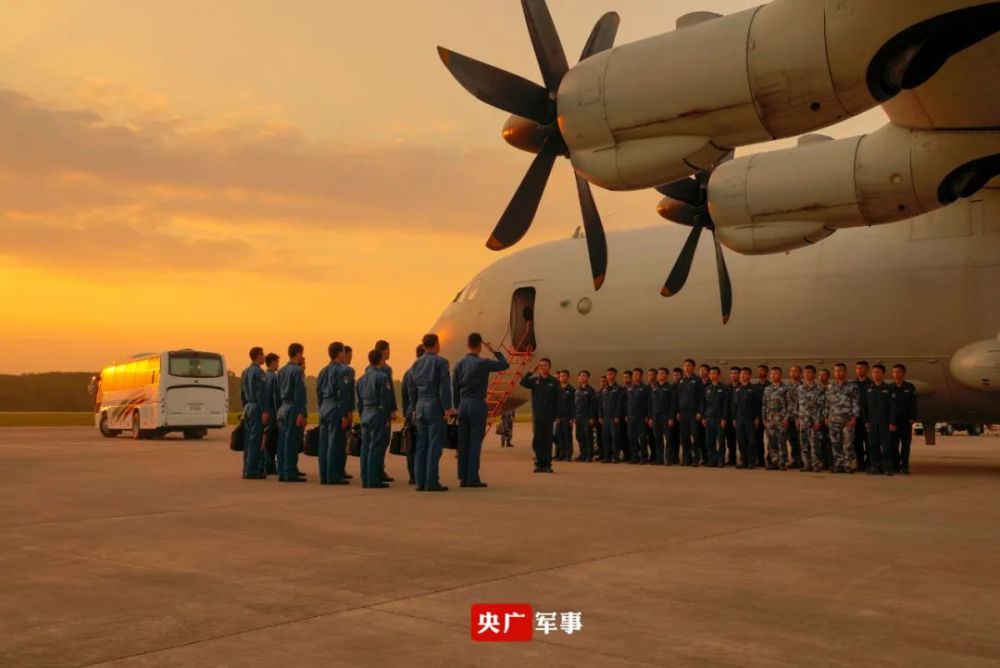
(782, 200)
(652, 111)
(977, 365)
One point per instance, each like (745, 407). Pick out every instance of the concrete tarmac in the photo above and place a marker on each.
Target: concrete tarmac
(156, 553)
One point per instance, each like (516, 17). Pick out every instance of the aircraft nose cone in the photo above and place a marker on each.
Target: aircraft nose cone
(523, 133)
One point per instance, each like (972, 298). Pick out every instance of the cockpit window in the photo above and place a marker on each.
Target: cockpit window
(458, 295)
(472, 290)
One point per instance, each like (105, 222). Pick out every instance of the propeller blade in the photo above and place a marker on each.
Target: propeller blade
(597, 243)
(499, 88)
(602, 37)
(679, 274)
(687, 190)
(725, 285)
(545, 40)
(517, 217)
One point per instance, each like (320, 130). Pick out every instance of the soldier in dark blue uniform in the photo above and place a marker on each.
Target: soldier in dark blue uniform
(902, 415)
(877, 403)
(471, 380)
(861, 439)
(252, 394)
(565, 404)
(689, 391)
(375, 402)
(714, 410)
(599, 428)
(383, 347)
(674, 439)
(730, 429)
(624, 446)
(269, 418)
(662, 413)
(409, 406)
(650, 383)
(291, 414)
(763, 371)
(700, 443)
(637, 416)
(746, 416)
(430, 383)
(544, 400)
(349, 408)
(585, 412)
(332, 385)
(611, 401)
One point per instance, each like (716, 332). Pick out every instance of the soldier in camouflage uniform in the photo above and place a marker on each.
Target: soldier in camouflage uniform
(778, 409)
(840, 413)
(823, 378)
(810, 396)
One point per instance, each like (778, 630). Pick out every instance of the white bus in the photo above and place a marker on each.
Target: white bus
(151, 394)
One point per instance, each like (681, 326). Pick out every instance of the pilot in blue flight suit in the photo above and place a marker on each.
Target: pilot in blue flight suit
(471, 377)
(375, 402)
(291, 414)
(383, 347)
(252, 394)
(409, 405)
(272, 401)
(430, 383)
(332, 385)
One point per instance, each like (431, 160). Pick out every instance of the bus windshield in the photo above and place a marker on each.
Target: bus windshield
(192, 364)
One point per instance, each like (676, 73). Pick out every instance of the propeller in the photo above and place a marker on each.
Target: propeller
(687, 204)
(536, 107)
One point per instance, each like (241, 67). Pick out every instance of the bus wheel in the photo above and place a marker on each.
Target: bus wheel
(193, 434)
(103, 426)
(975, 430)
(136, 432)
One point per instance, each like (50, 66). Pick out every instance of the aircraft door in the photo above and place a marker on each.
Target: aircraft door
(522, 320)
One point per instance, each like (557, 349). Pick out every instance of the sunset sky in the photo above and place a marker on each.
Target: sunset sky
(230, 173)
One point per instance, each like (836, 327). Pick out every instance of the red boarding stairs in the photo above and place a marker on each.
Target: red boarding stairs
(504, 382)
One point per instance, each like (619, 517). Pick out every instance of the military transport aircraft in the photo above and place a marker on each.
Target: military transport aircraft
(924, 291)
(652, 112)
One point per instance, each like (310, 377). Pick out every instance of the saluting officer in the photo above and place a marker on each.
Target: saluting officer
(430, 383)
(471, 381)
(544, 397)
(332, 384)
(778, 412)
(409, 406)
(714, 409)
(612, 398)
(840, 414)
(252, 394)
(269, 418)
(565, 404)
(902, 415)
(291, 414)
(689, 391)
(877, 420)
(375, 402)
(585, 412)
(746, 415)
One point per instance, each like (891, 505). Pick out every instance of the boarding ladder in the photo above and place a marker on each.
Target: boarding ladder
(503, 383)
